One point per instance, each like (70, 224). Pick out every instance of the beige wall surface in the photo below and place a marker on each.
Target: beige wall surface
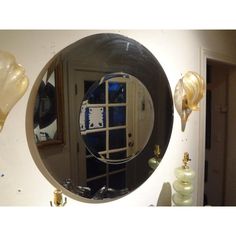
(177, 51)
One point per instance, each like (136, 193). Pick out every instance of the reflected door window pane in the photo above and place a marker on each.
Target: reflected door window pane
(97, 96)
(117, 92)
(117, 116)
(117, 138)
(97, 141)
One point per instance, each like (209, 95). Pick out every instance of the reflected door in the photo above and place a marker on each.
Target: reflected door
(87, 170)
(106, 120)
(116, 118)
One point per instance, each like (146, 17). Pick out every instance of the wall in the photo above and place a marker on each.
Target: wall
(177, 52)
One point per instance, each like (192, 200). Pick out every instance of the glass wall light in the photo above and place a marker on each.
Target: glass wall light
(13, 84)
(188, 93)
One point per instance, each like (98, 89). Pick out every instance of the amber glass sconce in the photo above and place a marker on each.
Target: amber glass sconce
(13, 84)
(188, 93)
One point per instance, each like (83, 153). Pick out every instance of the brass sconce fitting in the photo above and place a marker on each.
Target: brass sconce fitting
(58, 200)
(186, 160)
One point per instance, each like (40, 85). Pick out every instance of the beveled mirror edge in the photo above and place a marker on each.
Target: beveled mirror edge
(33, 148)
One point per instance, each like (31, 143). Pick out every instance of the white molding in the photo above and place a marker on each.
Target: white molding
(204, 55)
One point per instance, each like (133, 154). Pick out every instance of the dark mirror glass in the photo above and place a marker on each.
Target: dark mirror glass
(95, 114)
(116, 125)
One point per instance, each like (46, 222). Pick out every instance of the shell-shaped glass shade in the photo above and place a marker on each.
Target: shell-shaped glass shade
(13, 84)
(188, 93)
(194, 88)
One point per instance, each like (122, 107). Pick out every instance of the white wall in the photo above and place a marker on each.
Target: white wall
(177, 51)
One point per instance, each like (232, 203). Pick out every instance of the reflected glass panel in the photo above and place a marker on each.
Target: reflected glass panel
(118, 155)
(95, 167)
(98, 140)
(117, 167)
(97, 96)
(117, 116)
(117, 139)
(117, 92)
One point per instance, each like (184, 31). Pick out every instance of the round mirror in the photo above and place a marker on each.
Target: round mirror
(116, 118)
(95, 114)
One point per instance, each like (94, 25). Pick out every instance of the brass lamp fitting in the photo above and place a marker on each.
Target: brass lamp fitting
(57, 200)
(186, 159)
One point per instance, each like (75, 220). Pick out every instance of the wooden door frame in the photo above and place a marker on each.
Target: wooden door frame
(205, 55)
(72, 68)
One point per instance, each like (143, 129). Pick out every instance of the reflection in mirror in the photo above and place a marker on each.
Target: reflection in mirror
(105, 97)
(47, 117)
(116, 118)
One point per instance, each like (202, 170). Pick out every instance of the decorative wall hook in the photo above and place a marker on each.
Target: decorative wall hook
(184, 183)
(188, 93)
(57, 200)
(13, 84)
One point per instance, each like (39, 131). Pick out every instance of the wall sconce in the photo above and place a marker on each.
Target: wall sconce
(188, 93)
(13, 84)
(184, 183)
